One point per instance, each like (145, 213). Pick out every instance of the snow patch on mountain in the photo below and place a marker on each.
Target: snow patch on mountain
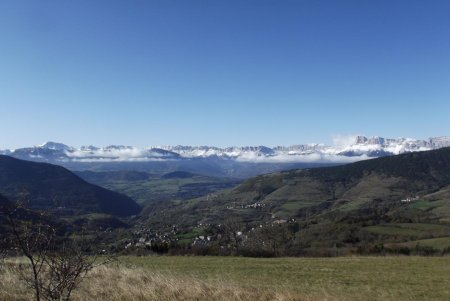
(55, 146)
(344, 150)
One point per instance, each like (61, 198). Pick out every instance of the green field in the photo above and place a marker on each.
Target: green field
(422, 205)
(153, 190)
(418, 230)
(347, 278)
(240, 278)
(439, 243)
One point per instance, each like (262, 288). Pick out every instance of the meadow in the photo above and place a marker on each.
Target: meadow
(239, 278)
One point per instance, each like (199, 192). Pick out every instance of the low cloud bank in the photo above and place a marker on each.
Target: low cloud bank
(119, 154)
(149, 155)
(304, 158)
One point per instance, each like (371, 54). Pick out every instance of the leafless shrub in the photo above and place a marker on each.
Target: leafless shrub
(232, 233)
(55, 267)
(2, 257)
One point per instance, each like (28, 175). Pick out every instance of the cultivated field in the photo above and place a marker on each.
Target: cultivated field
(228, 278)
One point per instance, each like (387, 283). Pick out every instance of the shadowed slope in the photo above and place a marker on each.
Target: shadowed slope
(54, 188)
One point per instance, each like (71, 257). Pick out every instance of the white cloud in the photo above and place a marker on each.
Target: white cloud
(304, 158)
(107, 160)
(343, 140)
(109, 154)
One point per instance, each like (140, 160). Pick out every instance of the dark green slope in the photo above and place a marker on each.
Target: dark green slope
(55, 189)
(3, 201)
(432, 166)
(289, 193)
(388, 178)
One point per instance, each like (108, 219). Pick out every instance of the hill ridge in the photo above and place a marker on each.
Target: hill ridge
(54, 188)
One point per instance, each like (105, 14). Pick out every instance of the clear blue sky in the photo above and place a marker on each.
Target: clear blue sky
(222, 72)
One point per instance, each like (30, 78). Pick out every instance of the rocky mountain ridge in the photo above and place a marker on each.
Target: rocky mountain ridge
(361, 148)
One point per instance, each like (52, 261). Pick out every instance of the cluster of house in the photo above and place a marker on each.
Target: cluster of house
(145, 237)
(201, 240)
(256, 205)
(410, 199)
(211, 197)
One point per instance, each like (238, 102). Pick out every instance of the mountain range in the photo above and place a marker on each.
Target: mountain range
(361, 147)
(238, 162)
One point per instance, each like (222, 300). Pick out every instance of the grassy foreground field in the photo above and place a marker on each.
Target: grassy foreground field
(228, 278)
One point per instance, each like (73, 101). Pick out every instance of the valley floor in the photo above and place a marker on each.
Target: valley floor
(238, 278)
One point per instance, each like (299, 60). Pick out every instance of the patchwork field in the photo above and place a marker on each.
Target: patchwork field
(153, 189)
(238, 278)
(411, 230)
(439, 243)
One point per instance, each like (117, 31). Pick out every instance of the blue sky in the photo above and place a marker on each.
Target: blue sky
(222, 72)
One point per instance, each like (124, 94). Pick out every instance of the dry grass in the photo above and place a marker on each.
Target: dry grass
(108, 283)
(120, 284)
(207, 280)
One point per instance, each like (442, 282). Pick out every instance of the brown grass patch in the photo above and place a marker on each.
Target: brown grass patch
(126, 284)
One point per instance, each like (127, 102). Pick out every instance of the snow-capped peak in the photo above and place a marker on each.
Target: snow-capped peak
(359, 148)
(55, 146)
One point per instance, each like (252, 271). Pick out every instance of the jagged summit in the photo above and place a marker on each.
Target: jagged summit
(361, 148)
(55, 146)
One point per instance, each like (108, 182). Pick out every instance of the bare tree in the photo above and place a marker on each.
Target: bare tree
(66, 267)
(55, 267)
(31, 241)
(276, 238)
(3, 236)
(232, 233)
(3, 253)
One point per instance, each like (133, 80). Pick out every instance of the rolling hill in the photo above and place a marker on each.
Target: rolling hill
(55, 189)
(387, 201)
